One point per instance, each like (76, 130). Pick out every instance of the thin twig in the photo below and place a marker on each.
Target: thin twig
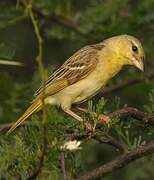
(111, 141)
(10, 62)
(121, 113)
(119, 162)
(133, 112)
(62, 158)
(34, 173)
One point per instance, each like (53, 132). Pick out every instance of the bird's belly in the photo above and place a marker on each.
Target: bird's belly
(75, 93)
(90, 89)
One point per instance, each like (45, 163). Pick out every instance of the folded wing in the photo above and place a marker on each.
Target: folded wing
(78, 66)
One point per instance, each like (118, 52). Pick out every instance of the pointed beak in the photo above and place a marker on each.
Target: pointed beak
(139, 63)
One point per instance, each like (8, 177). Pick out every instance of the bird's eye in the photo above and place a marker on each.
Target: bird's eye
(134, 48)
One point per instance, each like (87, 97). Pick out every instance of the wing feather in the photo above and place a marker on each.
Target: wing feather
(74, 69)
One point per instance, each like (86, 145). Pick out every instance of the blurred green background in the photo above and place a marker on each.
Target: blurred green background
(66, 26)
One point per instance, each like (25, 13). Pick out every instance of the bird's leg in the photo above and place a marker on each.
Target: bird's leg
(78, 118)
(102, 117)
(86, 110)
(82, 109)
(73, 114)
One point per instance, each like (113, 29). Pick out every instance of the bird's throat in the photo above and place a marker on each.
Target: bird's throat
(109, 67)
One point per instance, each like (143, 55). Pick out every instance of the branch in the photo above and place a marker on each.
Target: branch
(112, 141)
(62, 158)
(133, 112)
(124, 84)
(121, 113)
(36, 170)
(119, 162)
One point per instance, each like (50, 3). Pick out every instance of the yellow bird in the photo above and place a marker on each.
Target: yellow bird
(86, 73)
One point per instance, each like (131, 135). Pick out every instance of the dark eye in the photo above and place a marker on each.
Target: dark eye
(134, 48)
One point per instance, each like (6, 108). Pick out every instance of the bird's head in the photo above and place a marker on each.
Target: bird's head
(129, 50)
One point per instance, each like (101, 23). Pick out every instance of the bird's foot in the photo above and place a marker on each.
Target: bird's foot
(89, 127)
(103, 118)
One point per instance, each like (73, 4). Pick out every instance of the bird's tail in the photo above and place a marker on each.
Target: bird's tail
(36, 106)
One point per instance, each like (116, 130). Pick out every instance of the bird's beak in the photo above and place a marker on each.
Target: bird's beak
(139, 63)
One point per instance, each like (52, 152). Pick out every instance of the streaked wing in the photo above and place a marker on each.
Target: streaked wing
(78, 66)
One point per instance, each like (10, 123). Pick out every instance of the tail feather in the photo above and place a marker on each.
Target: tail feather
(33, 108)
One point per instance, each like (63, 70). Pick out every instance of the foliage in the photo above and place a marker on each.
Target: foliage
(28, 140)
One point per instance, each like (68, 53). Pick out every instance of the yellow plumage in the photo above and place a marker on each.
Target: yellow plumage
(86, 73)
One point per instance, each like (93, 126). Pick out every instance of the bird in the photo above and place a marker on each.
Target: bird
(85, 74)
